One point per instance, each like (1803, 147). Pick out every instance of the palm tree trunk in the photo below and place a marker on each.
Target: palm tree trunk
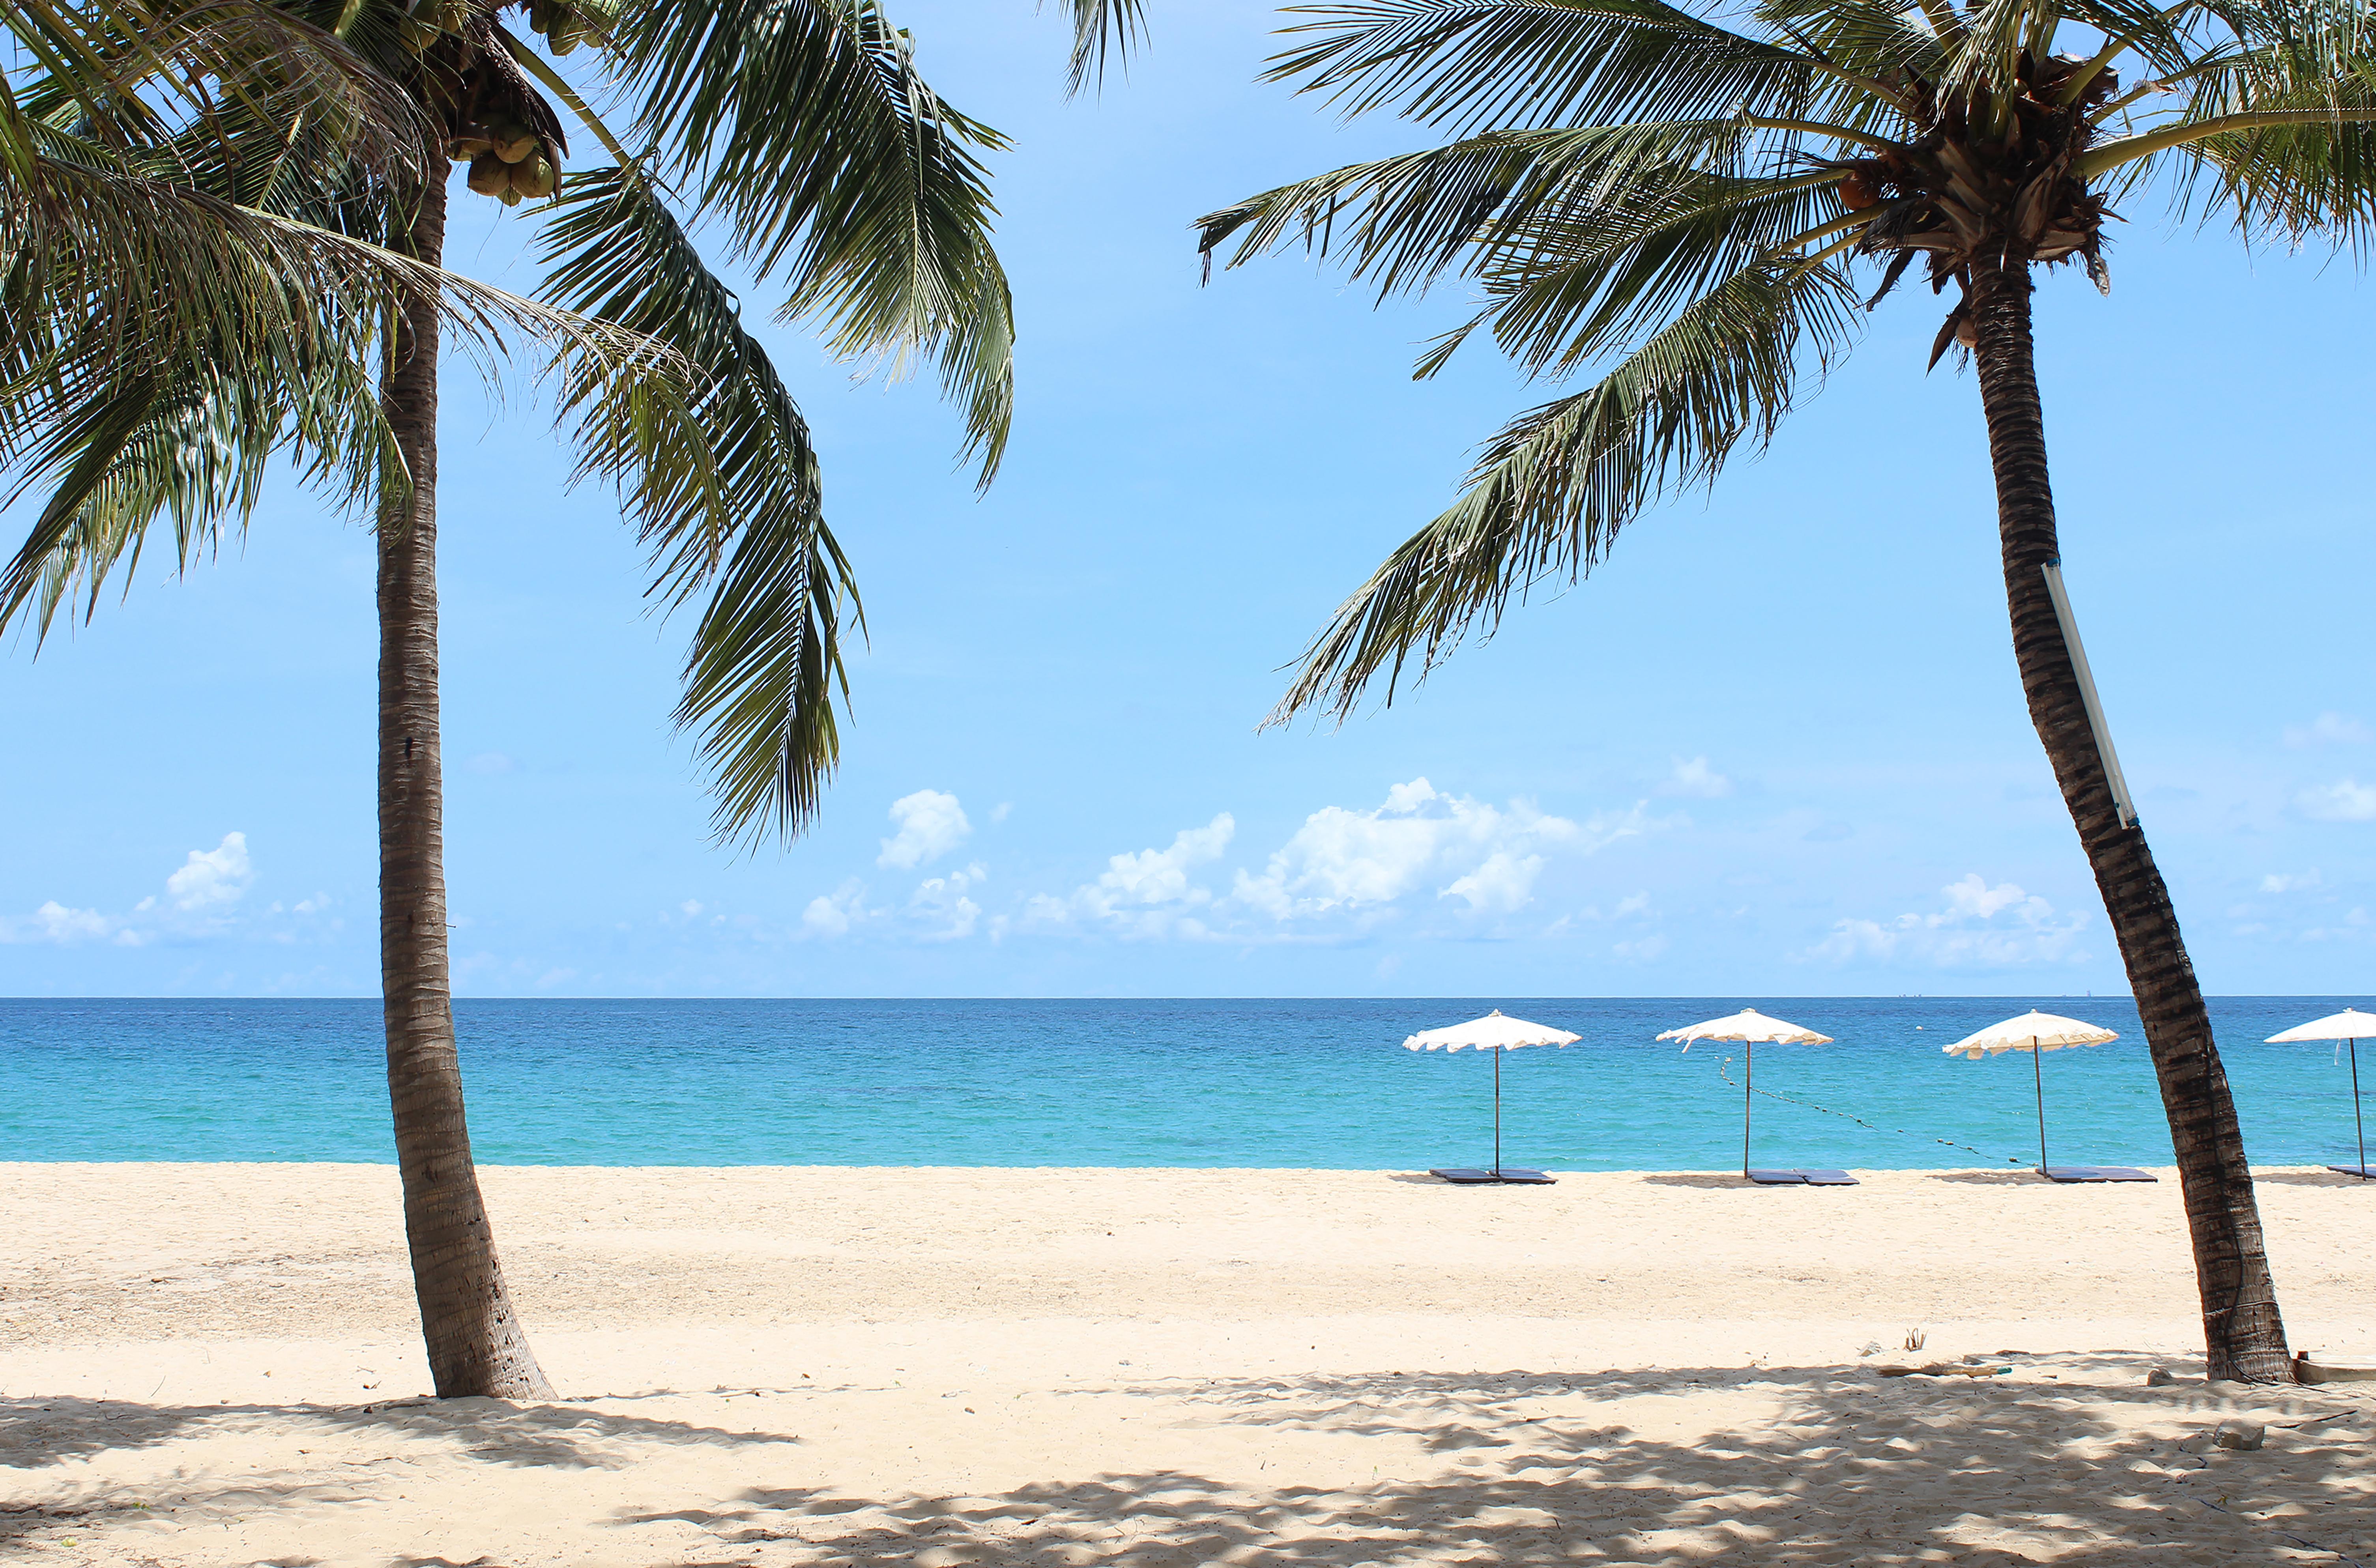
(475, 1342)
(2242, 1333)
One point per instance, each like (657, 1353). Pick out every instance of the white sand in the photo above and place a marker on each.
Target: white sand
(214, 1365)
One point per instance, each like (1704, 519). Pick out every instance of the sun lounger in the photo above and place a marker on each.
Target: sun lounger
(1507, 1176)
(2068, 1174)
(1802, 1178)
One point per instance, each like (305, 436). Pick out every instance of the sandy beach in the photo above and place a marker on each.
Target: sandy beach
(217, 1365)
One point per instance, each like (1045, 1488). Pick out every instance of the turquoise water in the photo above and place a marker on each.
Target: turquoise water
(1221, 1083)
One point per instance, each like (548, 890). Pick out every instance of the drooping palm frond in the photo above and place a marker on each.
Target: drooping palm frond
(158, 343)
(1405, 221)
(1103, 30)
(765, 661)
(1552, 490)
(805, 123)
(1464, 65)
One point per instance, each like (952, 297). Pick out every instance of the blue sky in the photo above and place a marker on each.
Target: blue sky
(1775, 746)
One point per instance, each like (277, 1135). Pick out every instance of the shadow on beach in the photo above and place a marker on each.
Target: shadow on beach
(1779, 1468)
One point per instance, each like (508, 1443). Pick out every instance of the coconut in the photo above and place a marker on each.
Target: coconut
(490, 175)
(509, 196)
(513, 142)
(536, 177)
(1857, 191)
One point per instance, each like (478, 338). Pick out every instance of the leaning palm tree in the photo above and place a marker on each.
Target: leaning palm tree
(1694, 197)
(801, 128)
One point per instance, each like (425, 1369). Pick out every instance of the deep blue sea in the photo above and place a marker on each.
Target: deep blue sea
(1086, 1083)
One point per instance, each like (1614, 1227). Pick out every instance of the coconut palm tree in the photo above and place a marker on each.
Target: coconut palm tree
(1694, 196)
(800, 127)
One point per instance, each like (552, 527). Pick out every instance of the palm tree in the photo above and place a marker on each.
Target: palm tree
(802, 128)
(1693, 196)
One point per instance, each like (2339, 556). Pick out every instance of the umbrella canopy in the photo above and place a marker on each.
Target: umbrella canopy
(2033, 1030)
(2349, 1024)
(2037, 1033)
(1751, 1029)
(1495, 1031)
(2353, 1025)
(1749, 1025)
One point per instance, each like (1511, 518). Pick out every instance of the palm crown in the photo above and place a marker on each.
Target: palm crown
(1694, 198)
(201, 213)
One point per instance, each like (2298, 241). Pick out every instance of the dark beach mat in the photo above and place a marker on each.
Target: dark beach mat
(2365, 1172)
(1802, 1179)
(1508, 1176)
(2071, 1174)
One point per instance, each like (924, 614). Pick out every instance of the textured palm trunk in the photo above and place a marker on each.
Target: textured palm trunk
(475, 1342)
(2242, 1333)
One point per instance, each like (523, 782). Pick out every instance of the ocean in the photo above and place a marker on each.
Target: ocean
(1240, 1083)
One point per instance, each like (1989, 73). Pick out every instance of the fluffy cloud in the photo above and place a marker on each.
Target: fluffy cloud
(212, 876)
(1696, 778)
(832, 914)
(1344, 860)
(930, 823)
(1160, 876)
(2281, 882)
(1981, 927)
(941, 903)
(2329, 730)
(2347, 799)
(199, 899)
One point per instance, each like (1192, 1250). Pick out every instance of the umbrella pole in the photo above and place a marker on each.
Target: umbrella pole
(2037, 1069)
(1748, 1077)
(2359, 1125)
(1497, 1114)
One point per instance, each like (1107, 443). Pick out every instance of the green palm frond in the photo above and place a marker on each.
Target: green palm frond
(1520, 64)
(805, 123)
(1550, 493)
(1103, 30)
(1405, 221)
(766, 663)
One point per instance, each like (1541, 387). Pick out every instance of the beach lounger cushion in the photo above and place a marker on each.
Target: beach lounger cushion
(2073, 1173)
(1828, 1179)
(1508, 1176)
(2365, 1172)
(1802, 1179)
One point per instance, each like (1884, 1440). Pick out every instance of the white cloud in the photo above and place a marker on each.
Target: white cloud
(2280, 882)
(1967, 933)
(942, 900)
(999, 811)
(2347, 799)
(212, 876)
(690, 908)
(832, 914)
(2329, 730)
(54, 922)
(1160, 876)
(930, 823)
(1345, 860)
(1696, 778)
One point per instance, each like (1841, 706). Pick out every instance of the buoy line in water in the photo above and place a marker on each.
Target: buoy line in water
(1724, 1064)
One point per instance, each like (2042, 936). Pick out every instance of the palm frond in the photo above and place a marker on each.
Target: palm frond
(766, 663)
(1550, 493)
(1102, 30)
(805, 123)
(1520, 64)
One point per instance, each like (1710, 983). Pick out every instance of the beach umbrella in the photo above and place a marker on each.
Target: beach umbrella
(1751, 1029)
(1496, 1032)
(2350, 1025)
(2037, 1033)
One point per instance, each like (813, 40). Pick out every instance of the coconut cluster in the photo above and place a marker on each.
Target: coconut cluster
(498, 124)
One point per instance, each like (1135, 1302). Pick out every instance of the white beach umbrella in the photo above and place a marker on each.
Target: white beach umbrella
(2350, 1025)
(1751, 1029)
(1496, 1032)
(2037, 1033)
